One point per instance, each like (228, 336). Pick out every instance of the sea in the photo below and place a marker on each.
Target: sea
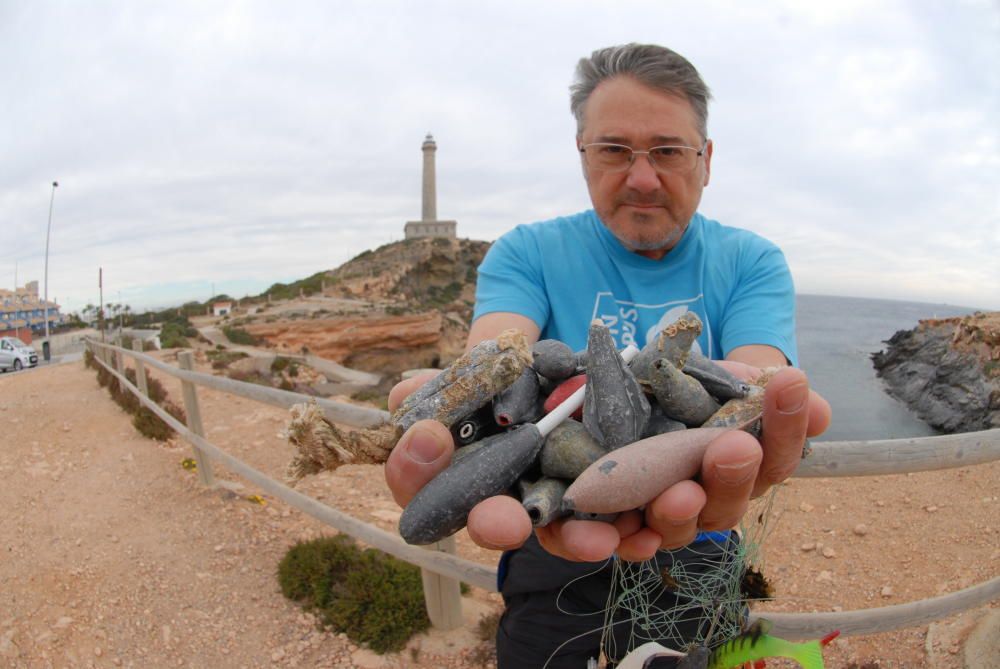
(836, 337)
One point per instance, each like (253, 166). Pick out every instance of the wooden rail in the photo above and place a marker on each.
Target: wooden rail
(443, 570)
(446, 569)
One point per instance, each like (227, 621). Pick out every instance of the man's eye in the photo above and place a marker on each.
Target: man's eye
(612, 150)
(666, 152)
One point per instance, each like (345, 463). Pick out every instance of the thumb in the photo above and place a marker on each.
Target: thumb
(423, 451)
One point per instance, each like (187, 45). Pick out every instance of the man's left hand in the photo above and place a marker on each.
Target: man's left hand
(736, 468)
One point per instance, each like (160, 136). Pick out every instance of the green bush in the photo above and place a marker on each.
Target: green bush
(152, 426)
(143, 419)
(221, 359)
(372, 597)
(240, 336)
(172, 335)
(382, 603)
(310, 569)
(280, 363)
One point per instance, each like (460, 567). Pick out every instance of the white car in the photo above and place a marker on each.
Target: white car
(15, 354)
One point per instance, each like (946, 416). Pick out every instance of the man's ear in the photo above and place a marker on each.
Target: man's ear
(708, 161)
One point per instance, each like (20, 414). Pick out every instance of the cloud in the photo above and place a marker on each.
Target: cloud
(245, 143)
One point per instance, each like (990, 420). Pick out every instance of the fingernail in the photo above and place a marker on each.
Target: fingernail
(424, 447)
(793, 398)
(736, 472)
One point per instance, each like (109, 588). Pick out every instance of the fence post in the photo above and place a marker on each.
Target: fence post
(193, 411)
(140, 369)
(442, 595)
(120, 359)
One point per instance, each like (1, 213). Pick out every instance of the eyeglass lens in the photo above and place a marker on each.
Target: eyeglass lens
(616, 157)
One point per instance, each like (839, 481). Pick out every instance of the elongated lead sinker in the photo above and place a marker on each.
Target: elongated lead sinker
(442, 507)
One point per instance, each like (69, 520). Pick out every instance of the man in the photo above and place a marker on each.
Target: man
(638, 259)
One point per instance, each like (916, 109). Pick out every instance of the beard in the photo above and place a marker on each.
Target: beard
(644, 233)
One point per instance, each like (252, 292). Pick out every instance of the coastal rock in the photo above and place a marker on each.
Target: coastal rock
(947, 370)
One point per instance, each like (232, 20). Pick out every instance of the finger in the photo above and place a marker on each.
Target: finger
(423, 451)
(674, 514)
(820, 414)
(579, 540)
(729, 471)
(628, 523)
(405, 388)
(499, 523)
(639, 546)
(783, 430)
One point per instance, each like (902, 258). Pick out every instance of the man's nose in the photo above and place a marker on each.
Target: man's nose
(641, 175)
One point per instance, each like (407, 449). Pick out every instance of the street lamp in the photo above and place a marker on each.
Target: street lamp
(48, 229)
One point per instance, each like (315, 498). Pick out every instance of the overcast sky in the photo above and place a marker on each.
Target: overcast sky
(242, 143)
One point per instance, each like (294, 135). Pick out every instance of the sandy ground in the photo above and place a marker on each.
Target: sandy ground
(114, 555)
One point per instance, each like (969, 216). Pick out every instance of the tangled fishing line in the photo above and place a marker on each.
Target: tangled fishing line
(695, 595)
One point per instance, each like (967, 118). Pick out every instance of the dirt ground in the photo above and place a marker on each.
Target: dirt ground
(113, 555)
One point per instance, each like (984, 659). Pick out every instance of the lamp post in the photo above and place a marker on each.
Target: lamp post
(48, 229)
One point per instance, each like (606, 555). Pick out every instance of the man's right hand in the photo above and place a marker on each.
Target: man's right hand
(497, 523)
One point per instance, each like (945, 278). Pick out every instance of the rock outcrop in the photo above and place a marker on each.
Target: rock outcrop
(947, 370)
(389, 344)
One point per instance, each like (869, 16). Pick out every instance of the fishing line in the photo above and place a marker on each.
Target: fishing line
(684, 596)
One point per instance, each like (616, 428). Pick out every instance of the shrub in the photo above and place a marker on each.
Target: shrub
(143, 419)
(382, 604)
(240, 336)
(152, 426)
(221, 359)
(310, 569)
(172, 335)
(280, 363)
(372, 597)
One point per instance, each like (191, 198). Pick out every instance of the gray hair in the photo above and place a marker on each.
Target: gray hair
(655, 66)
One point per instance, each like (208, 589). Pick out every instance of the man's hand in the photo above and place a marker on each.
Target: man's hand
(735, 468)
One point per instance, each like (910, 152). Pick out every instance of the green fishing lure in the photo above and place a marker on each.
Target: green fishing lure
(755, 644)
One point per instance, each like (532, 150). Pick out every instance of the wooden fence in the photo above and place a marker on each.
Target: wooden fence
(443, 571)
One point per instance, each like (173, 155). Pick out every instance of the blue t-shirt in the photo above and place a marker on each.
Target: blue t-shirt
(565, 272)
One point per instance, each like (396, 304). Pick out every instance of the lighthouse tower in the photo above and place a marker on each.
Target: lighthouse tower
(429, 225)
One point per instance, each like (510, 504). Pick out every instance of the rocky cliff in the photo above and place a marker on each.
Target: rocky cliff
(402, 306)
(947, 370)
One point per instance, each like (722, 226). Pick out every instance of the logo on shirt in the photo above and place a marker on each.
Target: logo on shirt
(628, 321)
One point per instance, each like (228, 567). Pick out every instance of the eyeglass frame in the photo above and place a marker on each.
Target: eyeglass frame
(648, 153)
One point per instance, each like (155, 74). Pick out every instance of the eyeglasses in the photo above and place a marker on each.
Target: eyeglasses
(664, 159)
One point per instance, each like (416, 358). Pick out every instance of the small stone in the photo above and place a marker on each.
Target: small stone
(930, 508)
(886, 591)
(829, 552)
(277, 655)
(879, 503)
(218, 548)
(861, 529)
(98, 651)
(825, 576)
(808, 546)
(806, 507)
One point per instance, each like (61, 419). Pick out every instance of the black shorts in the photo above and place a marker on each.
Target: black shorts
(555, 609)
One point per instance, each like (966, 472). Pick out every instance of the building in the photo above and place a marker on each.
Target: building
(222, 308)
(22, 308)
(428, 225)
